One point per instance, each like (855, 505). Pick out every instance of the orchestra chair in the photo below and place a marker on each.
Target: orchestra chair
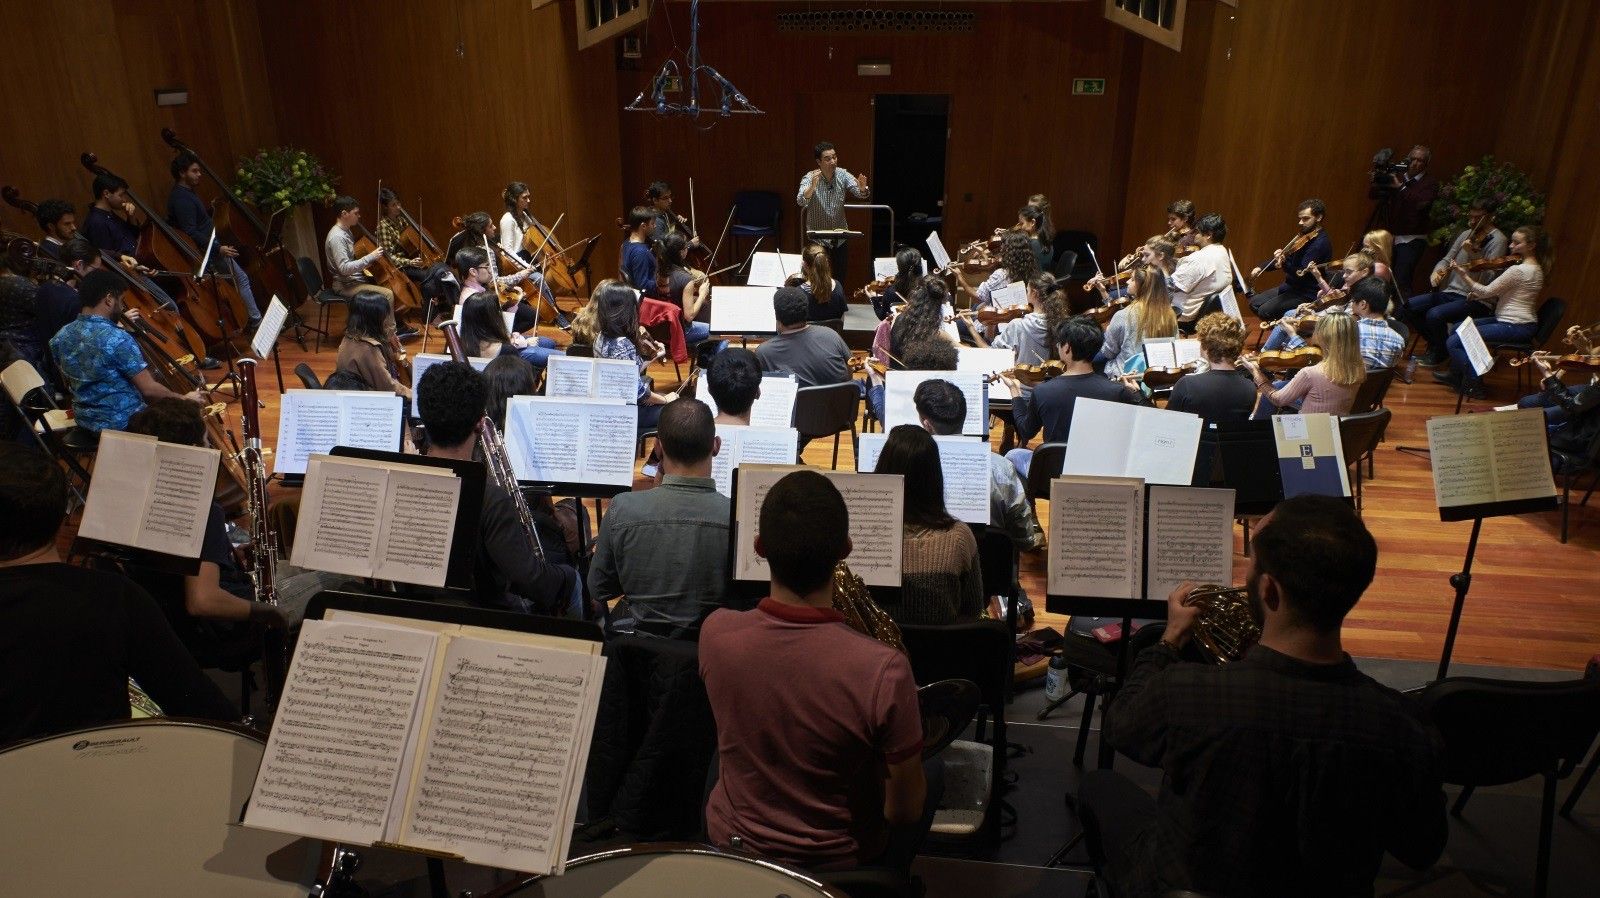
(1045, 467)
(834, 324)
(1078, 243)
(51, 426)
(307, 377)
(1496, 732)
(1372, 391)
(325, 299)
(755, 215)
(981, 652)
(580, 350)
(1360, 434)
(1591, 672)
(828, 409)
(1212, 304)
(1550, 314)
(1573, 467)
(1064, 263)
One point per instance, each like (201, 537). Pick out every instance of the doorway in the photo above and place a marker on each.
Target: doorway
(910, 133)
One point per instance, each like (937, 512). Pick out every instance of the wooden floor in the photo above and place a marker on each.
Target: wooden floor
(1533, 603)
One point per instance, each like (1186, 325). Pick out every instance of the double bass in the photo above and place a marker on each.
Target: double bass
(211, 304)
(261, 252)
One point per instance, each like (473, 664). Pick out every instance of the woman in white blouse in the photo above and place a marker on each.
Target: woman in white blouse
(1515, 298)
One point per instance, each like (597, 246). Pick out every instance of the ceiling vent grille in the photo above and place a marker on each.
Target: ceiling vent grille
(843, 21)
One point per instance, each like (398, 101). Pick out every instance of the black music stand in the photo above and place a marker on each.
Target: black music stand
(1462, 580)
(489, 618)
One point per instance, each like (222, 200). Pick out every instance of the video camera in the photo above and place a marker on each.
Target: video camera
(1384, 167)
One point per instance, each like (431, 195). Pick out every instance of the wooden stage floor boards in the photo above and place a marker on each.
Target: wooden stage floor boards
(1533, 603)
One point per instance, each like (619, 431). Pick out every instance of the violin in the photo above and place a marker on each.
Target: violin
(1034, 375)
(1102, 314)
(1284, 359)
(261, 254)
(876, 288)
(1480, 235)
(1112, 280)
(1584, 363)
(1293, 246)
(989, 317)
(861, 361)
(1505, 261)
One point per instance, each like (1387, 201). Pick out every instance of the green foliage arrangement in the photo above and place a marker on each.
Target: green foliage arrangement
(1507, 189)
(283, 177)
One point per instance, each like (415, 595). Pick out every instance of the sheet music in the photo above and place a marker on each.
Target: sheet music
(771, 269)
(418, 522)
(421, 362)
(1105, 516)
(887, 267)
(1494, 457)
(941, 258)
(1012, 294)
(985, 361)
(1477, 351)
(150, 495)
(271, 326)
(743, 310)
(900, 407)
(334, 756)
(774, 407)
(582, 378)
(948, 327)
(314, 421)
(1230, 305)
(502, 753)
(876, 503)
(964, 463)
(1187, 350)
(1161, 353)
(1114, 439)
(752, 445)
(1191, 538)
(556, 440)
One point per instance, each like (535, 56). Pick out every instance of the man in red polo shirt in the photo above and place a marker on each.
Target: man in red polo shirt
(818, 728)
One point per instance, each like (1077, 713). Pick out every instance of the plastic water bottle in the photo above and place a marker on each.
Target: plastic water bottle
(1056, 686)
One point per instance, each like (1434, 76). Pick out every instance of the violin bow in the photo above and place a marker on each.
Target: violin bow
(725, 225)
(694, 220)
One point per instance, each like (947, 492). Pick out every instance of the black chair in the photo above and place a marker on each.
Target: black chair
(1574, 466)
(1360, 435)
(1501, 731)
(755, 215)
(1212, 304)
(1078, 243)
(1063, 264)
(829, 409)
(307, 376)
(834, 324)
(580, 351)
(979, 651)
(1045, 467)
(1591, 672)
(1550, 315)
(324, 298)
(1370, 394)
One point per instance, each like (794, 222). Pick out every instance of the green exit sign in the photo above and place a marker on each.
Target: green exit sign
(1091, 86)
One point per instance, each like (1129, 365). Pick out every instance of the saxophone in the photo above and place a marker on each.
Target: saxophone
(263, 539)
(1227, 627)
(494, 452)
(851, 598)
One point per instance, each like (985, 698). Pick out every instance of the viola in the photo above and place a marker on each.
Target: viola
(1505, 261)
(876, 288)
(1296, 244)
(1112, 280)
(1285, 359)
(261, 252)
(1034, 375)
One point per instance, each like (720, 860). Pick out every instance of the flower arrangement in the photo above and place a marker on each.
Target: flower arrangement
(283, 177)
(1508, 191)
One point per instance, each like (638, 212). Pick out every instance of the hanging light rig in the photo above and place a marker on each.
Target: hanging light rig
(730, 99)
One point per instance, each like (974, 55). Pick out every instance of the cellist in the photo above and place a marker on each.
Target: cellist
(347, 273)
(514, 225)
(437, 282)
(189, 214)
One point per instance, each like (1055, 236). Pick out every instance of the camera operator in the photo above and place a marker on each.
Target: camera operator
(1404, 192)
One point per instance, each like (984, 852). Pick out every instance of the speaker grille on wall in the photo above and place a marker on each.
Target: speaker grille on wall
(845, 20)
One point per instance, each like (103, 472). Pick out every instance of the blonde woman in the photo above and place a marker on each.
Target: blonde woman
(1148, 316)
(1355, 268)
(1380, 246)
(1327, 387)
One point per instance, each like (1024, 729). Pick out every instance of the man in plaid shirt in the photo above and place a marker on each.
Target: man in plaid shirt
(1288, 772)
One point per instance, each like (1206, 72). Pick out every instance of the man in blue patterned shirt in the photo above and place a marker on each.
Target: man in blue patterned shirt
(101, 363)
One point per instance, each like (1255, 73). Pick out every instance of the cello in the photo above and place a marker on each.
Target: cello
(213, 306)
(384, 273)
(261, 253)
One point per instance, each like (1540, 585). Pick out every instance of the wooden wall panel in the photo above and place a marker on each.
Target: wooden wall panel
(448, 101)
(82, 76)
(1015, 128)
(1275, 102)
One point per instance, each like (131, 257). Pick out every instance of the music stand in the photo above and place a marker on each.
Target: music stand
(459, 579)
(489, 618)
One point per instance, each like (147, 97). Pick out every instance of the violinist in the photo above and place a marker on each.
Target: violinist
(58, 299)
(825, 299)
(476, 279)
(822, 195)
(908, 267)
(1433, 312)
(437, 282)
(361, 351)
(686, 288)
(19, 321)
(1029, 336)
(189, 214)
(1571, 415)
(1205, 274)
(1310, 246)
(1046, 231)
(1018, 264)
(622, 338)
(1033, 222)
(1355, 269)
(102, 364)
(1514, 297)
(346, 272)
(1329, 386)
(1180, 226)
(638, 261)
(1149, 316)
(59, 222)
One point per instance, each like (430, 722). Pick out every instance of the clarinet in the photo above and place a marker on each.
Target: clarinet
(494, 451)
(263, 540)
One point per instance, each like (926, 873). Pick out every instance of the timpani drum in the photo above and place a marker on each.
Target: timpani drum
(650, 871)
(143, 808)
